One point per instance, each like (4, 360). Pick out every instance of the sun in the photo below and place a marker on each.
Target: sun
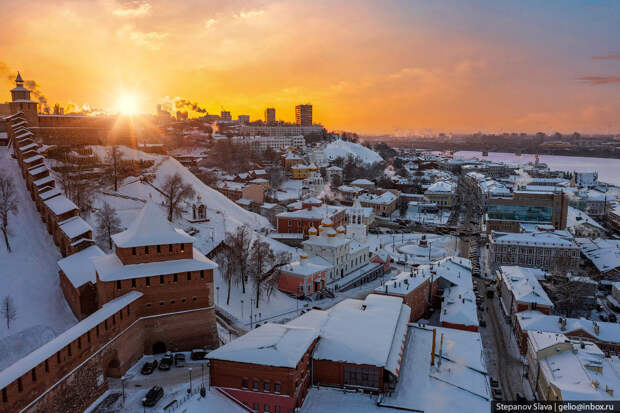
(127, 104)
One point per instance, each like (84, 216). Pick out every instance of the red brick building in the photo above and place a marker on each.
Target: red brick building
(300, 221)
(303, 277)
(357, 344)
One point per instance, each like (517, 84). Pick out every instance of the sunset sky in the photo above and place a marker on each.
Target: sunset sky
(367, 66)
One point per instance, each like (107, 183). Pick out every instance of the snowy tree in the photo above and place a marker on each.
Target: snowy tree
(239, 242)
(113, 160)
(175, 191)
(264, 266)
(107, 224)
(76, 188)
(8, 204)
(8, 310)
(225, 260)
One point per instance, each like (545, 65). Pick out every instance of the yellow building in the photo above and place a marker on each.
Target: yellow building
(300, 171)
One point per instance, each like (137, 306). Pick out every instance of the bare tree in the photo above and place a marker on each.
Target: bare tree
(226, 265)
(8, 310)
(107, 224)
(113, 159)
(265, 263)
(175, 191)
(8, 204)
(77, 188)
(239, 242)
(276, 177)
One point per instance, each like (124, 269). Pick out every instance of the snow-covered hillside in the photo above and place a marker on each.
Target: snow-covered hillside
(29, 275)
(342, 149)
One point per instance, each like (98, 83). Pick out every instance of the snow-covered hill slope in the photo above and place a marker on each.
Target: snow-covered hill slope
(29, 276)
(342, 149)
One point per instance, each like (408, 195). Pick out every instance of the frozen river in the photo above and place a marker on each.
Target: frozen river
(608, 169)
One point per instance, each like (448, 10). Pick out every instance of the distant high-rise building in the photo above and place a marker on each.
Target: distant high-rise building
(270, 115)
(244, 118)
(303, 115)
(225, 115)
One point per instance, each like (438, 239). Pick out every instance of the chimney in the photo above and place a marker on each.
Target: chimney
(433, 350)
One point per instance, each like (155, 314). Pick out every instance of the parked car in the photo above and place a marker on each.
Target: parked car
(612, 318)
(153, 396)
(198, 354)
(149, 367)
(166, 362)
(179, 360)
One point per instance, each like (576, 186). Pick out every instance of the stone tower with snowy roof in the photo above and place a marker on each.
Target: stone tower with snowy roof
(356, 228)
(21, 102)
(159, 260)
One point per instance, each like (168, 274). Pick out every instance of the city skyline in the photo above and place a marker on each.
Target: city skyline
(393, 67)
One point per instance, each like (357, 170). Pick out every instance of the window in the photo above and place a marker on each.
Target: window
(47, 366)
(255, 385)
(88, 337)
(276, 387)
(182, 247)
(202, 273)
(148, 282)
(105, 325)
(133, 283)
(158, 249)
(20, 386)
(118, 285)
(79, 343)
(34, 374)
(146, 249)
(267, 408)
(194, 298)
(69, 350)
(120, 314)
(276, 409)
(244, 383)
(361, 376)
(97, 330)
(267, 386)
(148, 305)
(161, 279)
(189, 276)
(5, 398)
(128, 310)
(113, 319)
(133, 251)
(175, 278)
(58, 357)
(161, 303)
(254, 406)
(170, 248)
(172, 301)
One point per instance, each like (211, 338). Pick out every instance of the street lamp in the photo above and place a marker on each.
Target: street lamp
(123, 385)
(190, 380)
(218, 294)
(242, 309)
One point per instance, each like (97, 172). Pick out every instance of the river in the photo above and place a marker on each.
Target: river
(608, 169)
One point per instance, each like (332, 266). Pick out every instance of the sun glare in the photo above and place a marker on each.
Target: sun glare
(127, 104)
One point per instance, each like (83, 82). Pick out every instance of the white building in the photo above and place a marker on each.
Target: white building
(275, 142)
(280, 130)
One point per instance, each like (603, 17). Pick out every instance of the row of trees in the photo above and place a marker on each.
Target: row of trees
(8, 205)
(244, 260)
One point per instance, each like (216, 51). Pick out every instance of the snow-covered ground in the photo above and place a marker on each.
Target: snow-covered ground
(342, 149)
(29, 276)
(289, 190)
(405, 246)
(439, 218)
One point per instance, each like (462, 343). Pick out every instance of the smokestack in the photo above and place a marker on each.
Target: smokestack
(433, 350)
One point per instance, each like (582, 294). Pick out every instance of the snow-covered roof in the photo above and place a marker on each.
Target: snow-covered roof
(441, 187)
(314, 212)
(28, 147)
(278, 345)
(362, 181)
(575, 217)
(79, 268)
(43, 181)
(151, 228)
(350, 189)
(359, 331)
(459, 306)
(60, 205)
(604, 253)
(343, 149)
(403, 283)
(384, 199)
(579, 370)
(558, 239)
(524, 285)
(110, 268)
(33, 159)
(74, 226)
(26, 364)
(458, 384)
(532, 320)
(37, 170)
(50, 193)
(307, 266)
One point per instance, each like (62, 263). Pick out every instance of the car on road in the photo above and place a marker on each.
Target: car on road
(198, 354)
(166, 362)
(148, 367)
(153, 396)
(179, 360)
